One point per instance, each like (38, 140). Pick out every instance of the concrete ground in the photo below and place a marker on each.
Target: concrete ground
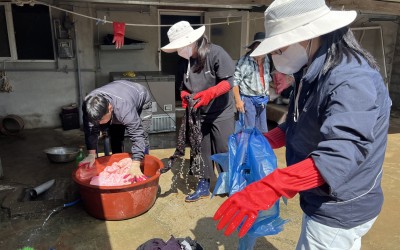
(23, 222)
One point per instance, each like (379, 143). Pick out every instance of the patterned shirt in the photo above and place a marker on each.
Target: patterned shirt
(247, 76)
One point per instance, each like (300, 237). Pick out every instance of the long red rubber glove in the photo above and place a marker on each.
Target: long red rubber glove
(184, 93)
(276, 138)
(263, 194)
(207, 95)
(119, 33)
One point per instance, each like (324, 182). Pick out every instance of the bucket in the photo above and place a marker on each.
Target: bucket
(12, 125)
(120, 202)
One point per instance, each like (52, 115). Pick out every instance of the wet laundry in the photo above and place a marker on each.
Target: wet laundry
(190, 129)
(116, 175)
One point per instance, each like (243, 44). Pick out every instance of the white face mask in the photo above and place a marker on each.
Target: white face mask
(186, 52)
(291, 60)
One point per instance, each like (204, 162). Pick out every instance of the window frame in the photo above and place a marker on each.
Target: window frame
(12, 42)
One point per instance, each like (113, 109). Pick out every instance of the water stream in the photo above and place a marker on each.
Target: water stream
(55, 210)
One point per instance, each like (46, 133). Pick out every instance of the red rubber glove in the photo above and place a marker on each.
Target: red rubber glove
(261, 195)
(119, 33)
(276, 138)
(207, 95)
(282, 81)
(184, 93)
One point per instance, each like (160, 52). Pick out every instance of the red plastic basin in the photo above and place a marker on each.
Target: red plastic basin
(120, 202)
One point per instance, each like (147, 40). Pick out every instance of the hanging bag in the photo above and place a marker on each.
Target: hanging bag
(249, 158)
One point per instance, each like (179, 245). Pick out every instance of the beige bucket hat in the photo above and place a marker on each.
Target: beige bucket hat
(292, 21)
(181, 34)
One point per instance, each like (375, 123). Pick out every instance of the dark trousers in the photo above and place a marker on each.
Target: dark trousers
(215, 140)
(117, 132)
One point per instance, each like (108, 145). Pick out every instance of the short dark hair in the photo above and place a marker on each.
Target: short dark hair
(96, 108)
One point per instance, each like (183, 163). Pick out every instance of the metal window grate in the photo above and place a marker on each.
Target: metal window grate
(163, 123)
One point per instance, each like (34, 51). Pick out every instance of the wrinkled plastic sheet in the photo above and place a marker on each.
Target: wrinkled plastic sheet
(249, 159)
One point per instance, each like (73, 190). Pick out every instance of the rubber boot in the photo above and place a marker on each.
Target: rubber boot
(202, 191)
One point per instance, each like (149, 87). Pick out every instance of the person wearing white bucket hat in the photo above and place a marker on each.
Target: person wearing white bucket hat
(208, 80)
(335, 132)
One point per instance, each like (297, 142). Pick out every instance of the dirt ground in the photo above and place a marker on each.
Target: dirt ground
(22, 222)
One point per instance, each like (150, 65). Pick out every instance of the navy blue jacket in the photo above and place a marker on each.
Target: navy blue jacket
(342, 124)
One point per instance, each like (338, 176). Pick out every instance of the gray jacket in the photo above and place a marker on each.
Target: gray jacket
(128, 99)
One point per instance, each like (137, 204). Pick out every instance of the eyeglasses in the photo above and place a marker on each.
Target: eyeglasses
(276, 52)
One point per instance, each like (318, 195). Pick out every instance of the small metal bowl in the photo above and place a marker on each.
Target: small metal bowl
(62, 154)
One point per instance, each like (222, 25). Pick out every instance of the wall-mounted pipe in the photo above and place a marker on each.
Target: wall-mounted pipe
(78, 72)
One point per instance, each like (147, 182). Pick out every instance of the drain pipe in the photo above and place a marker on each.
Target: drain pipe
(80, 95)
(34, 192)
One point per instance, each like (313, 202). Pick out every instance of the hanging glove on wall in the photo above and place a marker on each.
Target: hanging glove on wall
(261, 195)
(119, 33)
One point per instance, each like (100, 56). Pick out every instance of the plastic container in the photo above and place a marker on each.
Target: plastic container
(120, 202)
(80, 156)
(12, 125)
(70, 121)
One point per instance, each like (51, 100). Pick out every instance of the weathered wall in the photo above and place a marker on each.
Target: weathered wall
(40, 89)
(128, 60)
(395, 80)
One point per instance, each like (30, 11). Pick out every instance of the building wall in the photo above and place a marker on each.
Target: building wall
(40, 89)
(120, 60)
(395, 80)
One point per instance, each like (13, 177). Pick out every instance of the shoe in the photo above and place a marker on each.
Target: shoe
(202, 191)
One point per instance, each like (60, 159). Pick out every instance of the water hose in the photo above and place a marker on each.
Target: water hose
(72, 203)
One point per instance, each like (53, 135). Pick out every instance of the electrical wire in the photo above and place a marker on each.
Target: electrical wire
(103, 21)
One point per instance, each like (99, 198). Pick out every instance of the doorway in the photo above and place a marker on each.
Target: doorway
(169, 61)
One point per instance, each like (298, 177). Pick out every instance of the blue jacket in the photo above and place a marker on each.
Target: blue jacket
(342, 124)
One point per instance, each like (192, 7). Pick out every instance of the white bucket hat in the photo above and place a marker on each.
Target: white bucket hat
(181, 34)
(292, 21)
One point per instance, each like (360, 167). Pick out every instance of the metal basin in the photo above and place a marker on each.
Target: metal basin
(62, 154)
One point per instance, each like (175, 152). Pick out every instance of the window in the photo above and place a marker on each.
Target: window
(4, 43)
(25, 32)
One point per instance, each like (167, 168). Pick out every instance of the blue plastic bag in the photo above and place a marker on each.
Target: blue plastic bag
(250, 158)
